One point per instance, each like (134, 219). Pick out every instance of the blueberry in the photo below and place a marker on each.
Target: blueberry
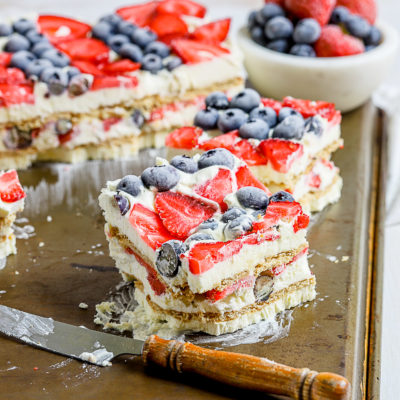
(63, 126)
(172, 62)
(102, 30)
(257, 34)
(238, 226)
(246, 100)
(302, 50)
(339, 15)
(39, 48)
(206, 119)
(216, 157)
(162, 177)
(57, 58)
(36, 37)
(374, 37)
(72, 71)
(279, 45)
(313, 125)
(159, 48)
(217, 100)
(167, 258)
(55, 78)
(254, 129)
(209, 224)
(231, 119)
(138, 118)
(22, 59)
(142, 37)
(278, 28)
(117, 41)
(16, 43)
(5, 30)
(130, 184)
(199, 237)
(285, 112)
(357, 26)
(263, 287)
(232, 213)
(307, 31)
(23, 25)
(126, 28)
(17, 139)
(36, 67)
(290, 128)
(78, 85)
(185, 164)
(281, 196)
(131, 51)
(252, 197)
(267, 114)
(251, 20)
(369, 47)
(152, 63)
(269, 11)
(122, 203)
(112, 19)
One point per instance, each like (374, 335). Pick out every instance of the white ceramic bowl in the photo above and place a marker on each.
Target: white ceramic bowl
(346, 81)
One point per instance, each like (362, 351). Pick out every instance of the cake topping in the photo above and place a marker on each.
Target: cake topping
(167, 258)
(160, 177)
(216, 157)
(246, 100)
(263, 287)
(238, 226)
(292, 127)
(130, 184)
(185, 163)
(217, 100)
(10, 188)
(252, 197)
(232, 213)
(267, 114)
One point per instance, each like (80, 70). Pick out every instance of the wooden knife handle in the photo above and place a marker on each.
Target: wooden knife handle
(245, 371)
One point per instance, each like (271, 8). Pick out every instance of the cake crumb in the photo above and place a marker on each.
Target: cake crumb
(84, 306)
(41, 244)
(49, 218)
(345, 258)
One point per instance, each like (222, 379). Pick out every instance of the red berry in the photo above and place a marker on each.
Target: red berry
(184, 138)
(181, 7)
(168, 24)
(308, 108)
(365, 8)
(225, 141)
(16, 93)
(102, 82)
(119, 67)
(86, 49)
(244, 177)
(215, 295)
(5, 59)
(140, 15)
(275, 104)
(246, 152)
(213, 32)
(87, 68)
(10, 188)
(320, 10)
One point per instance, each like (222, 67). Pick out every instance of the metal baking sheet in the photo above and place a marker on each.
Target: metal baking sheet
(65, 262)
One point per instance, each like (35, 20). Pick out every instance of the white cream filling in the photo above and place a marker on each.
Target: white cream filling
(11, 208)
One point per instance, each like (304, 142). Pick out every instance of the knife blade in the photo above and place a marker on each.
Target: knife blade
(239, 370)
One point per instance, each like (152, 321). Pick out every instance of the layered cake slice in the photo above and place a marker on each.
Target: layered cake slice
(70, 91)
(208, 246)
(11, 202)
(287, 144)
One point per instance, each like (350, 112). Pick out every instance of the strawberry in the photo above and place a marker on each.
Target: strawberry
(281, 153)
(12, 76)
(225, 141)
(140, 15)
(184, 138)
(365, 8)
(213, 32)
(149, 226)
(53, 26)
(10, 188)
(168, 24)
(5, 59)
(215, 295)
(275, 104)
(314, 180)
(308, 108)
(16, 93)
(245, 151)
(180, 214)
(86, 49)
(109, 122)
(181, 7)
(87, 68)
(301, 223)
(102, 82)
(334, 43)
(244, 177)
(66, 137)
(193, 52)
(120, 67)
(320, 10)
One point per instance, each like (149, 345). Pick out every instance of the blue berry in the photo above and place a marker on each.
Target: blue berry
(55, 78)
(238, 226)
(246, 100)
(267, 114)
(167, 258)
(307, 31)
(209, 224)
(339, 15)
(278, 28)
(281, 196)
(217, 100)
(78, 84)
(285, 112)
(199, 237)
(5, 30)
(142, 37)
(39, 48)
(172, 62)
(290, 128)
(117, 41)
(36, 37)
(251, 20)
(302, 50)
(313, 125)
(73, 71)
(279, 45)
(130, 184)
(231, 119)
(36, 67)
(122, 203)
(152, 63)
(254, 129)
(357, 26)
(257, 34)
(57, 58)
(138, 118)
(162, 177)
(112, 19)
(216, 157)
(252, 197)
(374, 37)
(206, 119)
(159, 48)
(232, 213)
(126, 28)
(17, 42)
(185, 164)
(102, 30)
(269, 11)
(21, 59)
(23, 25)
(131, 51)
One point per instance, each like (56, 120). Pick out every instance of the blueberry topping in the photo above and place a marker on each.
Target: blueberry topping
(231, 119)
(72, 71)
(232, 213)
(36, 67)
(63, 126)
(263, 288)
(17, 43)
(374, 37)
(138, 118)
(252, 197)
(291, 127)
(112, 19)
(57, 58)
(159, 48)
(199, 237)
(217, 100)
(267, 114)
(39, 48)
(17, 139)
(246, 100)
(102, 30)
(163, 177)
(152, 63)
(269, 11)
(123, 203)
(126, 28)
(251, 20)
(279, 45)
(5, 30)
(131, 51)
(238, 226)
(357, 26)
(307, 31)
(313, 125)
(302, 50)
(56, 79)
(257, 34)
(206, 119)
(339, 15)
(278, 28)
(216, 157)
(254, 129)
(117, 41)
(172, 62)
(36, 37)
(167, 258)
(281, 196)
(210, 224)
(142, 37)
(185, 164)
(78, 85)
(285, 112)
(23, 25)
(130, 184)
(22, 59)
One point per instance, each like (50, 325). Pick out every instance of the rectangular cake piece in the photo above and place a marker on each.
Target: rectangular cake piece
(107, 90)
(208, 246)
(287, 144)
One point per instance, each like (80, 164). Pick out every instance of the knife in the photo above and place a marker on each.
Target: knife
(244, 371)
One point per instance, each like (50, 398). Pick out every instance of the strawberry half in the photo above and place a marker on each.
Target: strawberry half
(87, 68)
(180, 214)
(320, 10)
(244, 177)
(119, 67)
(61, 29)
(181, 7)
(168, 24)
(184, 138)
(104, 82)
(86, 49)
(275, 104)
(10, 188)
(12, 76)
(213, 32)
(140, 15)
(245, 151)
(226, 141)
(16, 94)
(5, 59)
(215, 295)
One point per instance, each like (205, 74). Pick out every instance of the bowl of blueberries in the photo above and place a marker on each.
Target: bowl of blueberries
(320, 50)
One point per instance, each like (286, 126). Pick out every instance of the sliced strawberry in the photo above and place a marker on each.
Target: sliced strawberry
(149, 226)
(87, 68)
(11, 94)
(181, 7)
(320, 10)
(109, 122)
(103, 82)
(67, 137)
(12, 76)
(180, 214)
(60, 29)
(5, 59)
(245, 151)
(225, 141)
(213, 32)
(168, 24)
(365, 8)
(314, 180)
(217, 189)
(244, 177)
(275, 104)
(193, 52)
(215, 295)
(308, 108)
(120, 67)
(301, 223)
(140, 14)
(10, 188)
(184, 138)
(86, 49)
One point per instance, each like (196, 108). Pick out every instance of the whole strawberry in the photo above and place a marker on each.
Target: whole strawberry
(365, 8)
(320, 10)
